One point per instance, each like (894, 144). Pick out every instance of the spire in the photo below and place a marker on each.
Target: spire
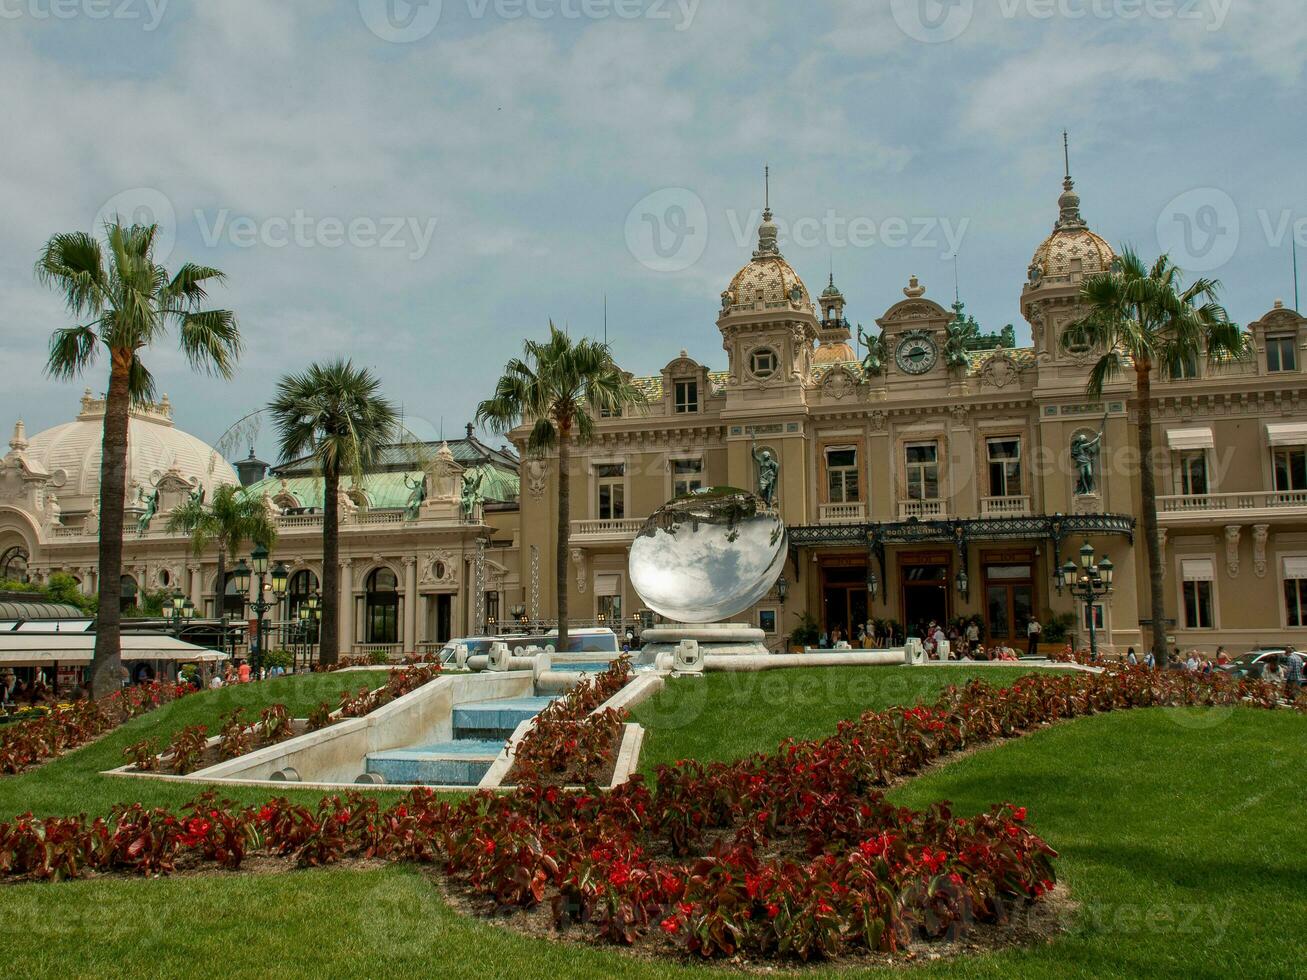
(18, 443)
(1069, 218)
(767, 231)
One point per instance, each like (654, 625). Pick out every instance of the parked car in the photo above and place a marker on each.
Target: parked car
(1253, 664)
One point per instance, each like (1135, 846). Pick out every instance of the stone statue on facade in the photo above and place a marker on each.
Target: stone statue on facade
(1084, 454)
(873, 365)
(471, 496)
(768, 471)
(417, 496)
(151, 508)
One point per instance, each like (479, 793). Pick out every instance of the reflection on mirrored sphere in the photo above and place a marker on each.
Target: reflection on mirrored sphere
(708, 555)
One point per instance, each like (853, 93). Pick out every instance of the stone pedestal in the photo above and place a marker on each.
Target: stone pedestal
(733, 639)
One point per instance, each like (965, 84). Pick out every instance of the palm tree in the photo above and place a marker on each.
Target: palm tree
(559, 388)
(333, 413)
(230, 519)
(1145, 320)
(125, 303)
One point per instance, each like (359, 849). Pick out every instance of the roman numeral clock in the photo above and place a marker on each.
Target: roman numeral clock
(916, 352)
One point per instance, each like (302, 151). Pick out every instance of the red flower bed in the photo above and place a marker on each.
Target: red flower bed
(570, 743)
(29, 743)
(794, 854)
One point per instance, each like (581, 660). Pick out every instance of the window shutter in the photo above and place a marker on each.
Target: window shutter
(1198, 570)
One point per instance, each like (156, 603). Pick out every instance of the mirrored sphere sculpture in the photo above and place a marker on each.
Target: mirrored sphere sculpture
(708, 555)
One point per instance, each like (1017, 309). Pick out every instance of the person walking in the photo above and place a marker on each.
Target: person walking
(1292, 672)
(1033, 631)
(1130, 657)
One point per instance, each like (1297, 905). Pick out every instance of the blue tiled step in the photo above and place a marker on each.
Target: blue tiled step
(486, 720)
(458, 763)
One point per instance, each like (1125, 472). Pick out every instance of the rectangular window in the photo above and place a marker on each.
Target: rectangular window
(686, 396)
(687, 476)
(1004, 467)
(1198, 575)
(1295, 601)
(1291, 469)
(1183, 368)
(1193, 473)
(767, 621)
(611, 479)
(1096, 610)
(842, 475)
(922, 470)
(1281, 354)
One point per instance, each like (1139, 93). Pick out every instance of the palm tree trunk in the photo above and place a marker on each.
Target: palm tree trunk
(107, 662)
(1148, 495)
(220, 595)
(564, 532)
(329, 634)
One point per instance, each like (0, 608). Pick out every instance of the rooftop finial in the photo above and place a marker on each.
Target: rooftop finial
(1066, 152)
(768, 232)
(766, 188)
(1069, 203)
(19, 440)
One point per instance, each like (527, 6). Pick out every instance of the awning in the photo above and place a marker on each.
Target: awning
(1295, 568)
(79, 648)
(1185, 439)
(1286, 433)
(1197, 570)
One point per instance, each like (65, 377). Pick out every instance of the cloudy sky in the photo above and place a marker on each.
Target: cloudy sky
(421, 186)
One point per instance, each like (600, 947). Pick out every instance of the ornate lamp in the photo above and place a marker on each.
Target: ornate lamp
(241, 577)
(280, 578)
(259, 560)
(188, 610)
(782, 587)
(963, 583)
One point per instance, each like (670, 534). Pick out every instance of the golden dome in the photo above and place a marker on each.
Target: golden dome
(833, 354)
(1073, 247)
(768, 278)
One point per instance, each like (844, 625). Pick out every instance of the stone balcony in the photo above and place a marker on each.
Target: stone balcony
(1004, 506)
(1216, 507)
(849, 513)
(923, 510)
(618, 530)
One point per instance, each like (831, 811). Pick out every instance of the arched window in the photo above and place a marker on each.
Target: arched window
(127, 598)
(13, 564)
(381, 613)
(302, 585)
(233, 599)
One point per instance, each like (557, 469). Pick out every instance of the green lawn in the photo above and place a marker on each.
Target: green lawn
(1179, 832)
(73, 784)
(724, 716)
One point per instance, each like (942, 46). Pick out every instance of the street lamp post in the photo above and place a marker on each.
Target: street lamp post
(1091, 581)
(259, 567)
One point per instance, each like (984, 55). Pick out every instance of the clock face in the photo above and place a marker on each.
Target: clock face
(915, 355)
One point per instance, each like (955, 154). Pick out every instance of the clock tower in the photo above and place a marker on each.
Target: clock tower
(915, 331)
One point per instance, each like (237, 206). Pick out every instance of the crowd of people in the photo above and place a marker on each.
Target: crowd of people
(17, 692)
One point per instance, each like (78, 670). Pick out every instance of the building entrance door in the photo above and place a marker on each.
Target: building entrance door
(926, 593)
(1009, 598)
(843, 600)
(444, 617)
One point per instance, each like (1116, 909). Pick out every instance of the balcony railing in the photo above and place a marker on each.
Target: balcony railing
(1206, 503)
(850, 513)
(1005, 507)
(923, 510)
(610, 529)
